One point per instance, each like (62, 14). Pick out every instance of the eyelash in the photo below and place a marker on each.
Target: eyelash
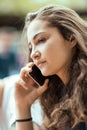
(41, 40)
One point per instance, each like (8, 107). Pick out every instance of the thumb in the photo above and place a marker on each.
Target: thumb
(43, 88)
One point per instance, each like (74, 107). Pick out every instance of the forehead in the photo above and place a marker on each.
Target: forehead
(36, 27)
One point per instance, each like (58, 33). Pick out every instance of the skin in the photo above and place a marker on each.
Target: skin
(2, 85)
(53, 51)
(52, 54)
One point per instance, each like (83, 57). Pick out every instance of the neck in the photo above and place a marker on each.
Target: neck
(64, 76)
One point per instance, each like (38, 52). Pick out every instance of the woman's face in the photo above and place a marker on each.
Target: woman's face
(50, 51)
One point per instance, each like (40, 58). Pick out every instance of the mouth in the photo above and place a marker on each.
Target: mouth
(40, 64)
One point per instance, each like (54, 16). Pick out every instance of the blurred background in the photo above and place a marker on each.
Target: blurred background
(12, 16)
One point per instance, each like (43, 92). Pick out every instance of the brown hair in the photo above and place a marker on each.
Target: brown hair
(66, 106)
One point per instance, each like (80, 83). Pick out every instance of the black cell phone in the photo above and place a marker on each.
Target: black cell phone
(37, 76)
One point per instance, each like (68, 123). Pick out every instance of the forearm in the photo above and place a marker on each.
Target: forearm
(24, 114)
(24, 126)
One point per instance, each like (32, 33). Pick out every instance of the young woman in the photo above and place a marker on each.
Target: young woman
(57, 39)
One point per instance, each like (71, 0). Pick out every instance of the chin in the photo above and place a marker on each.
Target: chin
(46, 73)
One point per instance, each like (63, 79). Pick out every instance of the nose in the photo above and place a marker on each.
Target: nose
(35, 55)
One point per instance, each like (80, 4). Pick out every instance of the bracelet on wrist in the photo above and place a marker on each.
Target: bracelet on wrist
(24, 120)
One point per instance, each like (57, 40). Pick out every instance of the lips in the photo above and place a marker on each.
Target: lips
(40, 63)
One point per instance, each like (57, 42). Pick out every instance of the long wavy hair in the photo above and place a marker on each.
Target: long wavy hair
(65, 106)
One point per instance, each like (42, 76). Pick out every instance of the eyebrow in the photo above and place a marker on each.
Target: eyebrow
(36, 36)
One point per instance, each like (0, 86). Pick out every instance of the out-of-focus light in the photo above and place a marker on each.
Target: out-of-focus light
(40, 1)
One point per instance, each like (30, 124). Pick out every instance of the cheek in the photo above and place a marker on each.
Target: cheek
(57, 56)
(51, 52)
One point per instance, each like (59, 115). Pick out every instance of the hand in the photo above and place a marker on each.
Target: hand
(25, 93)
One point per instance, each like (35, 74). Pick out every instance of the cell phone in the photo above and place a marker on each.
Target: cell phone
(37, 76)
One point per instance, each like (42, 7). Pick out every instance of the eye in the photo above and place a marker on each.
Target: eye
(41, 40)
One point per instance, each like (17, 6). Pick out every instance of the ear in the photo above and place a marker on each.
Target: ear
(73, 41)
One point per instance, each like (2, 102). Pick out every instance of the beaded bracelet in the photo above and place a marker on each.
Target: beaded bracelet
(24, 120)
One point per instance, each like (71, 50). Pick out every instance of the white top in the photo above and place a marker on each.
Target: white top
(7, 112)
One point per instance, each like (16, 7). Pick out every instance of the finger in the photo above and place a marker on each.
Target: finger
(21, 83)
(24, 73)
(37, 92)
(30, 64)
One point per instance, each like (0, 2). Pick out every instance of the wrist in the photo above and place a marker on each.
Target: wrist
(23, 113)
(24, 119)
